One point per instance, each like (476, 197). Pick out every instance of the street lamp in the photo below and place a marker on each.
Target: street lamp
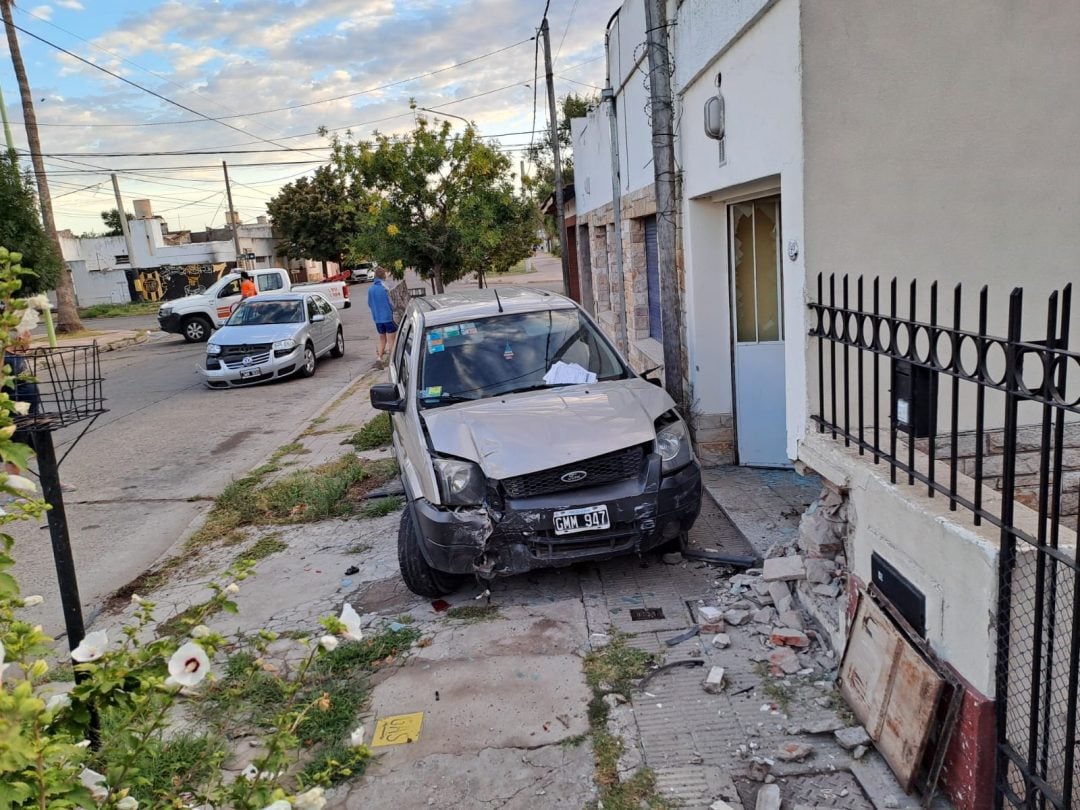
(450, 115)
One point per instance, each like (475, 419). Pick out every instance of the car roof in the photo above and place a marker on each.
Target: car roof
(457, 305)
(285, 296)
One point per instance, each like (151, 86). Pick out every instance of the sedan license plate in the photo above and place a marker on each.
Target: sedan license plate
(247, 373)
(587, 519)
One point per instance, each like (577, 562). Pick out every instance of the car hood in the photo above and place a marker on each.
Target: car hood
(239, 335)
(523, 433)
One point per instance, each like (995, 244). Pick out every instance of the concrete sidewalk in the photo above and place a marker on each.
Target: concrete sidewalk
(107, 341)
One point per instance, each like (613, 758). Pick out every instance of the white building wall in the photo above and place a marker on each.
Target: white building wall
(763, 147)
(705, 28)
(92, 262)
(151, 251)
(591, 138)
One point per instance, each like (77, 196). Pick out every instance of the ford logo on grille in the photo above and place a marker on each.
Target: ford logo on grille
(573, 477)
(246, 361)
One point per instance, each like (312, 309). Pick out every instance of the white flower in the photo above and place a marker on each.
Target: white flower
(328, 643)
(200, 631)
(250, 773)
(58, 702)
(21, 408)
(188, 665)
(128, 803)
(351, 620)
(32, 601)
(356, 739)
(280, 804)
(82, 744)
(232, 588)
(92, 647)
(20, 483)
(28, 321)
(38, 302)
(310, 800)
(95, 783)
(136, 599)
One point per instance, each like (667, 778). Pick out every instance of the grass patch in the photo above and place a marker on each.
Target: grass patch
(357, 548)
(615, 667)
(367, 654)
(778, 694)
(120, 310)
(264, 547)
(381, 507)
(373, 435)
(473, 614)
(185, 619)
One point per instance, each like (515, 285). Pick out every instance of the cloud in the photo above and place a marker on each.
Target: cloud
(73, 5)
(44, 12)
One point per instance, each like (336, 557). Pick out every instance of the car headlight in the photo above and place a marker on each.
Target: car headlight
(461, 483)
(165, 311)
(286, 345)
(673, 445)
(213, 349)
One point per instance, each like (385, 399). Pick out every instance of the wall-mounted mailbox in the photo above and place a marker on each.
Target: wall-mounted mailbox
(914, 399)
(908, 600)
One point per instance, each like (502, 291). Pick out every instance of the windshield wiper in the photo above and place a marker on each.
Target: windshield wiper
(445, 399)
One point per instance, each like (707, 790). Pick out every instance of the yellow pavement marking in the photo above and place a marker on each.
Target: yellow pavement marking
(398, 729)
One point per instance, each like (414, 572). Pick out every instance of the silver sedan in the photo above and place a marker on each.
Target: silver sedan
(272, 336)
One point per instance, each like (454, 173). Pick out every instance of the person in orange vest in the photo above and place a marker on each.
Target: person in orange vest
(247, 286)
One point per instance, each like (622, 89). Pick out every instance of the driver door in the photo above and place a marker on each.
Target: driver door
(316, 323)
(228, 297)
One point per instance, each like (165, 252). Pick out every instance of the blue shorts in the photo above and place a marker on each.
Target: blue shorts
(387, 328)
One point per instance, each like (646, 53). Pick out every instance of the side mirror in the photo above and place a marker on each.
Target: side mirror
(318, 317)
(647, 375)
(387, 397)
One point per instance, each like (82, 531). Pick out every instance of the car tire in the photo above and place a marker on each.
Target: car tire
(339, 344)
(680, 543)
(196, 329)
(419, 577)
(307, 366)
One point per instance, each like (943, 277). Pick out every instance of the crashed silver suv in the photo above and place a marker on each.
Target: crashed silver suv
(525, 441)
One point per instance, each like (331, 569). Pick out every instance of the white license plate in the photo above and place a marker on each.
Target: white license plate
(587, 519)
(247, 373)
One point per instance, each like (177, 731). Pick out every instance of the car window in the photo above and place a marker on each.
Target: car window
(312, 307)
(402, 352)
(511, 353)
(258, 313)
(325, 306)
(232, 288)
(269, 282)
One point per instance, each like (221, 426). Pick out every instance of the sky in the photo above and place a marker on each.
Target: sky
(272, 73)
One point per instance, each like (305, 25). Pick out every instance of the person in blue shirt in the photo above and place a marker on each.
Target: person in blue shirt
(382, 312)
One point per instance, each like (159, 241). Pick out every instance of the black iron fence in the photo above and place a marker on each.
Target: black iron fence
(987, 421)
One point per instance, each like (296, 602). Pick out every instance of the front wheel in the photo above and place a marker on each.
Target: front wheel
(196, 329)
(339, 345)
(307, 365)
(419, 577)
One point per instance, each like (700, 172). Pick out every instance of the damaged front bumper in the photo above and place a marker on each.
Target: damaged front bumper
(518, 535)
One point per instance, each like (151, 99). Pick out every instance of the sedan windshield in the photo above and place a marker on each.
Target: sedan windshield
(261, 313)
(512, 353)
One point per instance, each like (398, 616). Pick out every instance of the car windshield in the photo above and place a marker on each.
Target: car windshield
(512, 353)
(261, 313)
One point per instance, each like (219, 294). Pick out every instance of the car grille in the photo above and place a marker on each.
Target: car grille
(617, 466)
(233, 356)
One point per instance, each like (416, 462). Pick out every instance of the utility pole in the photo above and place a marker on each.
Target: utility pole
(232, 216)
(663, 145)
(564, 248)
(7, 129)
(123, 220)
(65, 291)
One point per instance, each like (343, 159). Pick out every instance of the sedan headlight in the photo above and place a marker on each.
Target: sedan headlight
(461, 483)
(673, 445)
(213, 349)
(284, 346)
(165, 310)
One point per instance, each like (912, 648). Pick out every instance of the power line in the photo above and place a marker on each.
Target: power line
(566, 30)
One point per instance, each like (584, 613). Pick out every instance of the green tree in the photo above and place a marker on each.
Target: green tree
(21, 229)
(541, 153)
(426, 199)
(111, 219)
(499, 230)
(313, 218)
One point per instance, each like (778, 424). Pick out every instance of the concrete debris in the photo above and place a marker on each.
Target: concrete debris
(826, 726)
(714, 681)
(736, 617)
(764, 616)
(859, 751)
(785, 604)
(768, 798)
(759, 768)
(820, 571)
(709, 614)
(762, 592)
(784, 569)
(721, 641)
(791, 618)
(712, 628)
(785, 660)
(779, 591)
(743, 604)
(891, 801)
(789, 637)
(852, 737)
(830, 591)
(720, 804)
(794, 752)
(672, 558)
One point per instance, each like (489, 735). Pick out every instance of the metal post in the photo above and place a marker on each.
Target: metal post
(662, 105)
(616, 279)
(564, 247)
(232, 215)
(7, 127)
(123, 220)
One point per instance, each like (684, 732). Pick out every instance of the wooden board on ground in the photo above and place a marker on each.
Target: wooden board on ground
(892, 689)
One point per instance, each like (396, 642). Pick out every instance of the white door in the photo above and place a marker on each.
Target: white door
(756, 267)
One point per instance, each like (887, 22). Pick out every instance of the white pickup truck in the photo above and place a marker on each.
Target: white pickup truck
(196, 316)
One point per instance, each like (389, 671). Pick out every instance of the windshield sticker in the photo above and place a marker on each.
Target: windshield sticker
(435, 342)
(433, 392)
(468, 329)
(508, 352)
(452, 331)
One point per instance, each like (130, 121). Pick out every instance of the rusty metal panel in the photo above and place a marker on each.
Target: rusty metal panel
(892, 689)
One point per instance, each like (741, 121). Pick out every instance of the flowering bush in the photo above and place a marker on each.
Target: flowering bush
(135, 686)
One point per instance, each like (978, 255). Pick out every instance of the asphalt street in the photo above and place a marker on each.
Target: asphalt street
(146, 469)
